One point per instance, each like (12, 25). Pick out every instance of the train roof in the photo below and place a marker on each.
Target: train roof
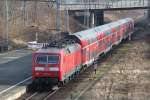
(48, 50)
(69, 49)
(92, 33)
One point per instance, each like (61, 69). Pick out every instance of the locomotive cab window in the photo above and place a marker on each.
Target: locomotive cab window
(41, 59)
(53, 59)
(44, 59)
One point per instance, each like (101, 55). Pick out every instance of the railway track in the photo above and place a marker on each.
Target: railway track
(39, 95)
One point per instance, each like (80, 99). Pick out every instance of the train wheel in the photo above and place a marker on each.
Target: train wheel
(67, 80)
(29, 88)
(74, 75)
(32, 87)
(60, 84)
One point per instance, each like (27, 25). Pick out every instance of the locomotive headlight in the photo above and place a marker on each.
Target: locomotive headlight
(54, 69)
(39, 68)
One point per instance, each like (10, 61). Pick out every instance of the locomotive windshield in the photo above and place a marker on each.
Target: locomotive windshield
(47, 59)
(53, 59)
(41, 59)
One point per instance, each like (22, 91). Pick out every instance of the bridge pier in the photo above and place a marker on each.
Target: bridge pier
(149, 13)
(90, 19)
(97, 18)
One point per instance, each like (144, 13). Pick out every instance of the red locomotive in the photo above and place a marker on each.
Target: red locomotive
(60, 63)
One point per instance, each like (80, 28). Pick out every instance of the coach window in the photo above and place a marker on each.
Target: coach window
(104, 41)
(41, 59)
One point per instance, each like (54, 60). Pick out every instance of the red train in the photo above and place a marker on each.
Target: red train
(63, 59)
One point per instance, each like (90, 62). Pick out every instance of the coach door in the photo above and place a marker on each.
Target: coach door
(86, 55)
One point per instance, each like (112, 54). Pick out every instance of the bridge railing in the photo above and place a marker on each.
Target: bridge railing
(105, 4)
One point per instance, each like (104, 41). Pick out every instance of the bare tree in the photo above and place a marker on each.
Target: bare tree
(23, 8)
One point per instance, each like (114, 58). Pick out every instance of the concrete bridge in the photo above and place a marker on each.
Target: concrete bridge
(93, 10)
(96, 8)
